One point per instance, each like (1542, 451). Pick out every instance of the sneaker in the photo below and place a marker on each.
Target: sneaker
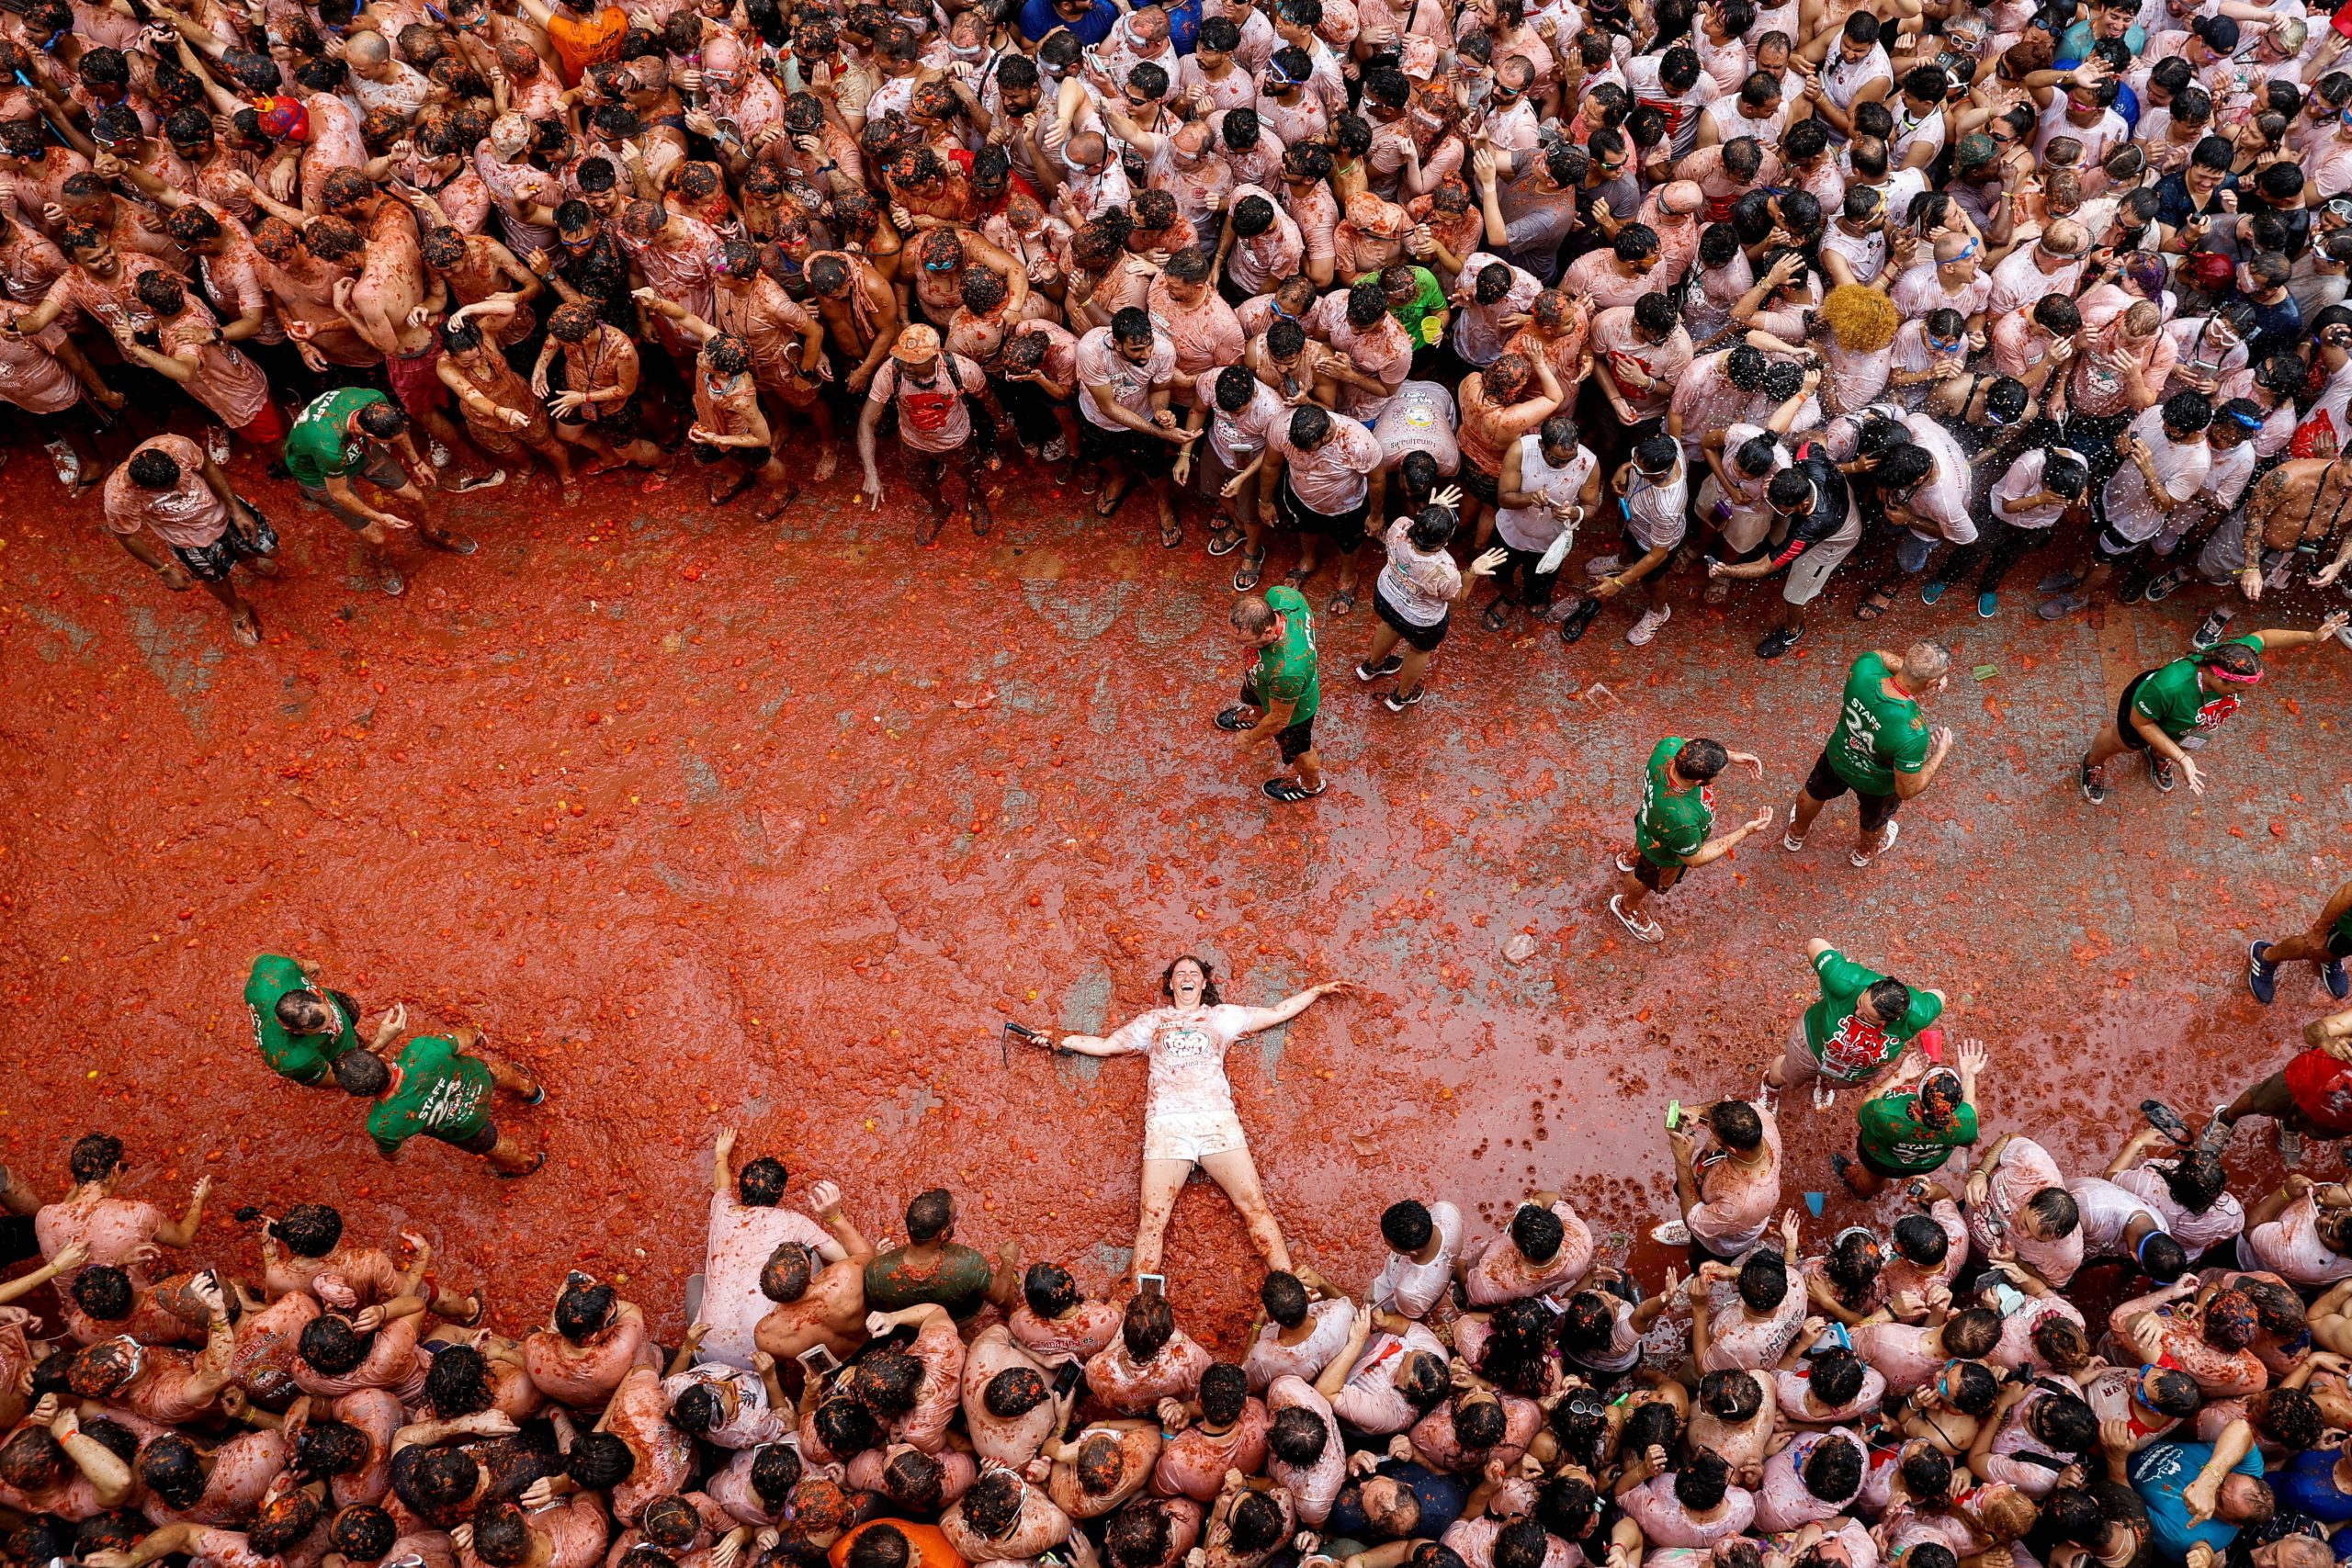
(2339, 984)
(1625, 864)
(2261, 975)
(2135, 589)
(1246, 575)
(1824, 1096)
(1778, 641)
(1235, 719)
(1054, 450)
(2160, 770)
(1397, 702)
(2208, 630)
(438, 455)
(1578, 621)
(1860, 859)
(1670, 1232)
(2065, 604)
(1793, 840)
(1389, 666)
(2167, 585)
(2291, 1146)
(68, 461)
(1290, 792)
(1643, 931)
(216, 443)
(2060, 583)
(1931, 590)
(2093, 787)
(1646, 627)
(1988, 604)
(1604, 566)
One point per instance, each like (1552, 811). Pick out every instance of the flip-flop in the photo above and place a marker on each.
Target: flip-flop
(1880, 602)
(2167, 1121)
(1112, 499)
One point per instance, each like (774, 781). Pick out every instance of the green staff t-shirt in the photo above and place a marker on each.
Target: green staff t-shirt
(1877, 735)
(319, 447)
(441, 1092)
(2179, 703)
(1286, 667)
(1846, 1045)
(305, 1058)
(1893, 1138)
(1672, 823)
(1423, 316)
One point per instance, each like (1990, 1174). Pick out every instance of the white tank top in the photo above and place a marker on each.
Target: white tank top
(1535, 527)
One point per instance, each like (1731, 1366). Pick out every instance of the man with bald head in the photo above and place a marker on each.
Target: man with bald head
(1880, 749)
(2051, 264)
(1952, 281)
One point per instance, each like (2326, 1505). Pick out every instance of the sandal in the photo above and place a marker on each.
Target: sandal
(1343, 601)
(1497, 616)
(1171, 533)
(1296, 577)
(2167, 1121)
(722, 490)
(1112, 497)
(779, 504)
(1253, 566)
(1224, 539)
(1881, 601)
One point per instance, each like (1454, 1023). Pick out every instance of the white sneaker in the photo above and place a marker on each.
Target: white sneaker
(1672, 1232)
(216, 443)
(68, 461)
(1823, 1095)
(1643, 931)
(1887, 835)
(1054, 451)
(1646, 627)
(438, 455)
(1604, 565)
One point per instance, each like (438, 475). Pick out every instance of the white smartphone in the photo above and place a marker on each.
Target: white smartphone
(1151, 1284)
(818, 1360)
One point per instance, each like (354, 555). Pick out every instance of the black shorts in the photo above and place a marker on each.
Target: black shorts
(2124, 729)
(1293, 740)
(476, 1143)
(1421, 638)
(1478, 486)
(753, 457)
(1655, 877)
(1824, 785)
(2108, 549)
(213, 562)
(1884, 1172)
(1345, 529)
(1147, 456)
(619, 425)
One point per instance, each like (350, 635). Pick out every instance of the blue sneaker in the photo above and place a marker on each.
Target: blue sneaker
(1931, 590)
(2339, 984)
(1988, 604)
(2261, 975)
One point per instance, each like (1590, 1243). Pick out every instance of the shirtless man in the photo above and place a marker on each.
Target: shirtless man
(476, 270)
(815, 1306)
(303, 268)
(598, 407)
(860, 310)
(501, 415)
(1499, 404)
(2296, 512)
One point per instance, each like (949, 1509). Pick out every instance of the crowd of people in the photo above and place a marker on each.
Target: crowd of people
(2143, 1367)
(1631, 300)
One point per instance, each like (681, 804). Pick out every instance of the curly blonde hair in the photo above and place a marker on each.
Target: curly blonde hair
(1863, 320)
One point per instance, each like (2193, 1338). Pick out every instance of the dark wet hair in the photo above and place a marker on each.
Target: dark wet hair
(283, 1522)
(1256, 1522)
(1730, 1395)
(784, 1277)
(1223, 1393)
(327, 1448)
(1014, 1392)
(1833, 1472)
(583, 1310)
(1537, 1233)
(1049, 1289)
(95, 1155)
(1764, 1281)
(1298, 1435)
(845, 1426)
(332, 1345)
(1971, 1332)
(887, 1381)
(760, 1184)
(1700, 1485)
(1284, 1298)
(993, 1505)
(1148, 1326)
(457, 1383)
(366, 1533)
(503, 1533)
(598, 1461)
(101, 1289)
(1838, 1378)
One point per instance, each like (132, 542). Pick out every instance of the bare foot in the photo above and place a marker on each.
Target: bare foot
(570, 493)
(826, 462)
